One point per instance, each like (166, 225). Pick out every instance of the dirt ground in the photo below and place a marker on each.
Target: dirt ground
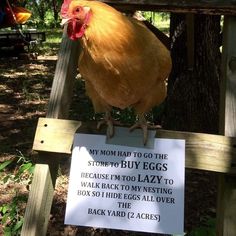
(24, 92)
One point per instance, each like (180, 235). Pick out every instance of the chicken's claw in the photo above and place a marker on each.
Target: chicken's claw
(144, 127)
(142, 123)
(110, 127)
(109, 121)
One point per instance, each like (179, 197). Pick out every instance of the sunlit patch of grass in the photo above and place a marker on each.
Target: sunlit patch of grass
(54, 36)
(52, 43)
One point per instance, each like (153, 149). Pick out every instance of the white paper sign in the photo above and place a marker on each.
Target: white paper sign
(127, 188)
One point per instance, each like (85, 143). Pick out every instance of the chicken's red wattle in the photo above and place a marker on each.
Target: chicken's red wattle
(75, 30)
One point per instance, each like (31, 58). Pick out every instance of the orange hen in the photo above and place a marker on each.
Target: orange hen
(123, 63)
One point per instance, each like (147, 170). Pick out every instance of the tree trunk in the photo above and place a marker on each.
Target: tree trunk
(40, 7)
(55, 11)
(193, 86)
(192, 103)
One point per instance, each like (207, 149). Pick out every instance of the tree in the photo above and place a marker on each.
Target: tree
(56, 9)
(193, 100)
(193, 86)
(40, 7)
(45, 13)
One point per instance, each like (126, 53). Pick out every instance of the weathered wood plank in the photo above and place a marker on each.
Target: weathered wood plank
(228, 98)
(191, 6)
(203, 151)
(206, 151)
(226, 212)
(38, 207)
(55, 135)
(39, 203)
(62, 87)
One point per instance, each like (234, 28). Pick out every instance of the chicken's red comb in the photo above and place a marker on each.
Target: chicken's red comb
(65, 7)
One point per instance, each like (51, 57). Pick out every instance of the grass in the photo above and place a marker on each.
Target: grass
(24, 91)
(12, 212)
(51, 45)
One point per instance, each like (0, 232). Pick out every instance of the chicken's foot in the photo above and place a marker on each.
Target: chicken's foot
(109, 121)
(142, 123)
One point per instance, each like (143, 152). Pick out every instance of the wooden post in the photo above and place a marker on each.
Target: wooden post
(42, 188)
(226, 212)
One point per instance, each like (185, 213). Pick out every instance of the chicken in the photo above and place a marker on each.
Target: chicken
(123, 63)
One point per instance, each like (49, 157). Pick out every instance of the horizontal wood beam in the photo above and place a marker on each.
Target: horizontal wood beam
(55, 135)
(206, 151)
(219, 7)
(203, 151)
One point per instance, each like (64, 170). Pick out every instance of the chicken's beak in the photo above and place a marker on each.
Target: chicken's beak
(87, 9)
(65, 21)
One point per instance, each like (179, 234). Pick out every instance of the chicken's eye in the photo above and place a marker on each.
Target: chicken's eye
(77, 9)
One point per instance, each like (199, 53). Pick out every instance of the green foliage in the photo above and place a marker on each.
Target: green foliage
(24, 169)
(12, 220)
(5, 164)
(160, 20)
(11, 212)
(207, 229)
(44, 13)
(126, 116)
